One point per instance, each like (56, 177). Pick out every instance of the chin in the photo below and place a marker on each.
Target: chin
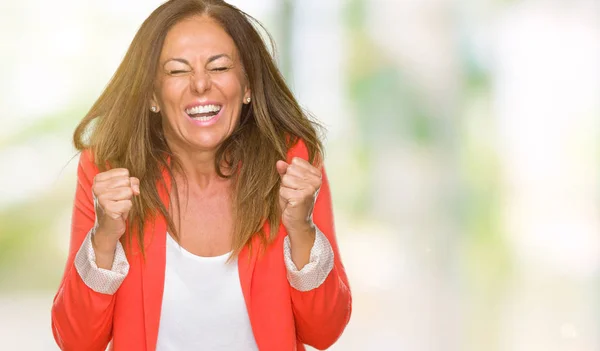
(208, 143)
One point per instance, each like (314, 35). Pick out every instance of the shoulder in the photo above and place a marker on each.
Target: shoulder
(309, 151)
(87, 165)
(298, 149)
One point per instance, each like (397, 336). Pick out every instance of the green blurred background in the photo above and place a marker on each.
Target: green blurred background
(463, 152)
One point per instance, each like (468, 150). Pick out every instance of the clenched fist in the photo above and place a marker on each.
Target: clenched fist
(112, 191)
(300, 183)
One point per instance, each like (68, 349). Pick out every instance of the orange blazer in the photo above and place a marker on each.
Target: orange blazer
(282, 318)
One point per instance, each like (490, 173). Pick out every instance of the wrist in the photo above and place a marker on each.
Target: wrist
(103, 243)
(304, 235)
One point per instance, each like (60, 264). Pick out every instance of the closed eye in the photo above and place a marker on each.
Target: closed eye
(220, 69)
(177, 72)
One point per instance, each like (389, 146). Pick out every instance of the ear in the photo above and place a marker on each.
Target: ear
(154, 107)
(247, 95)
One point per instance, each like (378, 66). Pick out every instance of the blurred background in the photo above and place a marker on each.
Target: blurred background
(463, 150)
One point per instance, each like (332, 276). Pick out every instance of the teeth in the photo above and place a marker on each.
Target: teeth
(203, 119)
(203, 109)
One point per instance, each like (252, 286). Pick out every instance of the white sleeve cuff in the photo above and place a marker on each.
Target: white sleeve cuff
(100, 280)
(314, 273)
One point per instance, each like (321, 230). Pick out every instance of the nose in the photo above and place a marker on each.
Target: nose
(200, 82)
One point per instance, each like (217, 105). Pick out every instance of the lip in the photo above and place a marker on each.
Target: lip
(211, 121)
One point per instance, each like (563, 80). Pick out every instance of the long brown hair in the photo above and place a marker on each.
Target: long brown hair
(124, 133)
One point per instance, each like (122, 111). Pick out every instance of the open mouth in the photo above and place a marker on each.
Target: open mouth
(203, 113)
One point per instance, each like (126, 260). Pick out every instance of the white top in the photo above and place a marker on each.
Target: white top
(203, 306)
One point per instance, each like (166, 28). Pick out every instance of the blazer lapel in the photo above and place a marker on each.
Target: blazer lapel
(153, 271)
(246, 263)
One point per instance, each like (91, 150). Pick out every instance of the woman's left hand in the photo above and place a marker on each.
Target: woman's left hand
(300, 183)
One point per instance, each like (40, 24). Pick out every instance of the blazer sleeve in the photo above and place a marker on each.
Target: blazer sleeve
(321, 314)
(81, 317)
(314, 273)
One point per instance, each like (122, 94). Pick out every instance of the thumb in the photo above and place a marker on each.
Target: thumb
(281, 167)
(135, 185)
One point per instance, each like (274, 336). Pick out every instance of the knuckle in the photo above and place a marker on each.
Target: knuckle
(122, 171)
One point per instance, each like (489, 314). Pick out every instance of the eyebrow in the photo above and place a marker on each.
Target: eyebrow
(210, 59)
(216, 57)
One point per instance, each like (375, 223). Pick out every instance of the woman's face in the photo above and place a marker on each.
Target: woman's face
(200, 85)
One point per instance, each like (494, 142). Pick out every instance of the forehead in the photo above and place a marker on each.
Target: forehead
(197, 36)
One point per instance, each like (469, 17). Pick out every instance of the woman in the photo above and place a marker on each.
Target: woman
(202, 217)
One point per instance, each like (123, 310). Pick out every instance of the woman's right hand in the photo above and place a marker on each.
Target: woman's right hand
(113, 191)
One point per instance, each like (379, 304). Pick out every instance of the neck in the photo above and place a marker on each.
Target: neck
(199, 168)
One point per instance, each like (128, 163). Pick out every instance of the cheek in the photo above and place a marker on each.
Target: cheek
(171, 90)
(230, 84)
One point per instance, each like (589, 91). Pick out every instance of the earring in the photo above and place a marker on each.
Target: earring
(154, 109)
(248, 100)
